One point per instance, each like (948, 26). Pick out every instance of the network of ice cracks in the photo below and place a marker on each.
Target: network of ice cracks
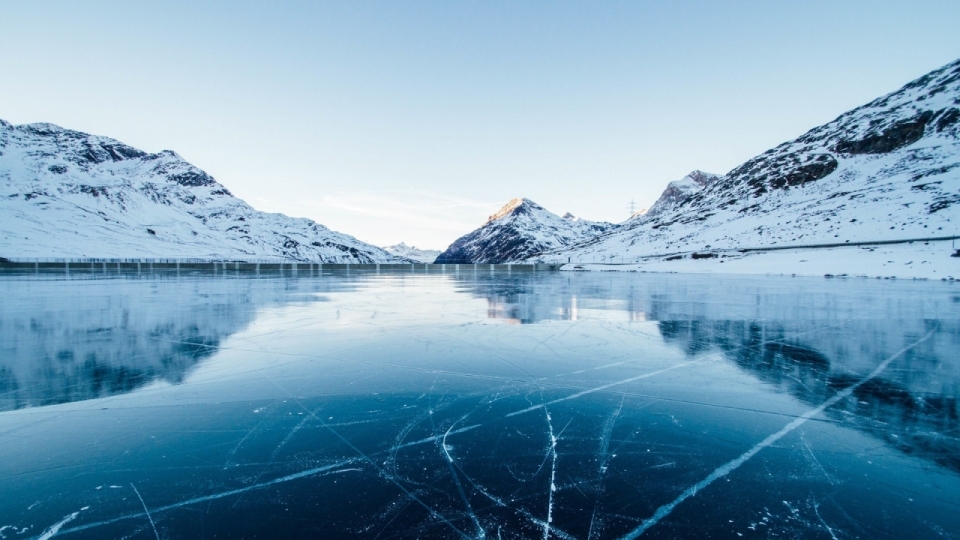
(555, 405)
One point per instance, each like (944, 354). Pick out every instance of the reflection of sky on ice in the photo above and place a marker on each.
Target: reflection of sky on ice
(522, 406)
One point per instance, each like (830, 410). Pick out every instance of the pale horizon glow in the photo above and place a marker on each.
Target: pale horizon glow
(414, 121)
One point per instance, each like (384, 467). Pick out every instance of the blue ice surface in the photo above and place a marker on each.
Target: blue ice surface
(476, 404)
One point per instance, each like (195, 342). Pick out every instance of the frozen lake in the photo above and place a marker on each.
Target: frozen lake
(547, 405)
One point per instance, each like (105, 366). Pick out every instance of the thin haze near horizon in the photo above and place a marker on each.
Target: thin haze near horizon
(413, 121)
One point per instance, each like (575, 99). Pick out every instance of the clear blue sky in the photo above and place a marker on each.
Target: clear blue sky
(414, 121)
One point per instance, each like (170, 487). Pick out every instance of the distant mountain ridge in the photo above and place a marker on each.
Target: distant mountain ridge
(64, 193)
(519, 230)
(887, 170)
(413, 253)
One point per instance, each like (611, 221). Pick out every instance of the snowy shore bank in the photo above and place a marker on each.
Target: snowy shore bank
(918, 260)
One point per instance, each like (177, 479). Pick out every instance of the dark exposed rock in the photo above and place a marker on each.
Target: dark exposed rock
(942, 203)
(193, 178)
(120, 152)
(897, 136)
(102, 152)
(42, 129)
(93, 190)
(92, 154)
(703, 256)
(57, 169)
(159, 155)
(934, 171)
(947, 119)
(823, 166)
(924, 187)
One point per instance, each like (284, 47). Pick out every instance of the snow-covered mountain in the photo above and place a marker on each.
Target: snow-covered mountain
(888, 170)
(69, 194)
(679, 191)
(413, 252)
(520, 230)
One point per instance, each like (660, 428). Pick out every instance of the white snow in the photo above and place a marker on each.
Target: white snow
(413, 252)
(69, 194)
(520, 229)
(919, 260)
(889, 170)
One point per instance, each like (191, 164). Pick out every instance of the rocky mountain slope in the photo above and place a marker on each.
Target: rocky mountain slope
(413, 253)
(888, 170)
(520, 230)
(69, 194)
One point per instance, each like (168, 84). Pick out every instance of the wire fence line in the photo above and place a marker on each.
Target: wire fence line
(611, 259)
(145, 260)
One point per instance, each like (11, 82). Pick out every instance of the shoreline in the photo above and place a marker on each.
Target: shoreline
(926, 260)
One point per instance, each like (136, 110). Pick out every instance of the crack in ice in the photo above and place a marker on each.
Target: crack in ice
(609, 385)
(55, 528)
(295, 476)
(730, 466)
(152, 524)
(553, 475)
(481, 533)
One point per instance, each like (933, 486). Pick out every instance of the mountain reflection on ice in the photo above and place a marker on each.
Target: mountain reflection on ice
(63, 341)
(396, 405)
(857, 323)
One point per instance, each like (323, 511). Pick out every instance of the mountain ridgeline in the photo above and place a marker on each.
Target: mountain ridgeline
(64, 193)
(520, 230)
(412, 253)
(886, 171)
